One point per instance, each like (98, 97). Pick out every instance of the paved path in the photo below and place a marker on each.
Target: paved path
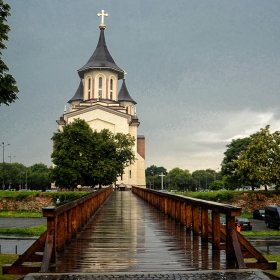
(21, 222)
(165, 275)
(14, 244)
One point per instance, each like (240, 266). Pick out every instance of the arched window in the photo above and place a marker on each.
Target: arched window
(111, 88)
(89, 86)
(100, 87)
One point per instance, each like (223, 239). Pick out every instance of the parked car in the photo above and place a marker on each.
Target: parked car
(272, 216)
(244, 223)
(259, 214)
(223, 221)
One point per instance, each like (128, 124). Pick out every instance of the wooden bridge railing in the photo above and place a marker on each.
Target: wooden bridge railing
(194, 214)
(63, 223)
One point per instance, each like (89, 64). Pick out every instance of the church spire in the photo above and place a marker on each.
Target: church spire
(78, 96)
(124, 94)
(101, 58)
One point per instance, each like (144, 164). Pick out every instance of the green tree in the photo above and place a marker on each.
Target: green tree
(153, 178)
(179, 179)
(199, 177)
(8, 88)
(38, 177)
(260, 162)
(84, 157)
(229, 163)
(71, 154)
(110, 154)
(15, 174)
(216, 185)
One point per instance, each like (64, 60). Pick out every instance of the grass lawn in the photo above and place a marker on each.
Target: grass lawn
(260, 233)
(6, 259)
(20, 214)
(31, 231)
(271, 258)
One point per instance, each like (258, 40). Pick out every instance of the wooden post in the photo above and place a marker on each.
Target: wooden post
(60, 232)
(216, 230)
(69, 226)
(195, 220)
(204, 224)
(188, 216)
(229, 243)
(183, 213)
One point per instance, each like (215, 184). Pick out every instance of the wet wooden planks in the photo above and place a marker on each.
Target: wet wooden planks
(127, 234)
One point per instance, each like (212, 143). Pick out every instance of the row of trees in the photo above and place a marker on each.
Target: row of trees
(18, 176)
(180, 179)
(81, 157)
(249, 161)
(86, 157)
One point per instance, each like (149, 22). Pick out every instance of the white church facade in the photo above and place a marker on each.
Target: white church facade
(98, 102)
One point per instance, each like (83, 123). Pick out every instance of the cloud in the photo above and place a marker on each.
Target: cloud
(203, 146)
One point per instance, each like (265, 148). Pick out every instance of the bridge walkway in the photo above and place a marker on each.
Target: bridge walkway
(127, 235)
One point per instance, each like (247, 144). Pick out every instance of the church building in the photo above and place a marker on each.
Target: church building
(98, 102)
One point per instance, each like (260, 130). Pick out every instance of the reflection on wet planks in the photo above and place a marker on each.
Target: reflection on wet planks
(127, 234)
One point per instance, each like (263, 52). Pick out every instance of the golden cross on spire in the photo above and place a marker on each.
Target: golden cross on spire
(102, 15)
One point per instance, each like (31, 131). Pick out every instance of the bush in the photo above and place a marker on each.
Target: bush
(65, 196)
(213, 196)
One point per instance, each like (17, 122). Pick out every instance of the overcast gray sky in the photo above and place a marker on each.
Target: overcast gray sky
(202, 72)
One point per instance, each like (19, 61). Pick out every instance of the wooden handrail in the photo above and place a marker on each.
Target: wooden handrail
(193, 213)
(63, 223)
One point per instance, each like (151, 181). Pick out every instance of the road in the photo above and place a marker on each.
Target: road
(259, 225)
(14, 244)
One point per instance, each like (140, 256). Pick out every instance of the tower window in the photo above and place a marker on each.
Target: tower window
(89, 86)
(130, 175)
(100, 88)
(111, 88)
(89, 83)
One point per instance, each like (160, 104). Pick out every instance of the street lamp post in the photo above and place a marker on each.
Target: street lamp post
(215, 174)
(161, 180)
(3, 166)
(10, 170)
(26, 178)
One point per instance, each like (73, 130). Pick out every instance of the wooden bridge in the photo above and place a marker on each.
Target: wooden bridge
(138, 230)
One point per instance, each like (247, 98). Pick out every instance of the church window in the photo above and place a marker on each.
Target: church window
(130, 175)
(89, 85)
(111, 88)
(100, 88)
(89, 82)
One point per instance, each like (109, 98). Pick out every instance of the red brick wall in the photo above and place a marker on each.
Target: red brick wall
(141, 147)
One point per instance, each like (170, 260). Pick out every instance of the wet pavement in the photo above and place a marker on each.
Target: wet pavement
(14, 244)
(21, 222)
(127, 234)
